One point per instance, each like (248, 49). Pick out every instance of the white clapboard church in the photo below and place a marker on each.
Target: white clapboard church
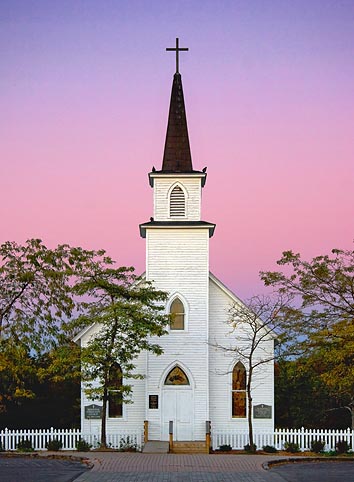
(192, 382)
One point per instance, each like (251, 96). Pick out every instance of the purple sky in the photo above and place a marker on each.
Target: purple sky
(269, 91)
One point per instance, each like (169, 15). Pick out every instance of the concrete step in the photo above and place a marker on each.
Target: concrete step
(156, 447)
(187, 447)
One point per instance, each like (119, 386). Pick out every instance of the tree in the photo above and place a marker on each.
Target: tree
(36, 308)
(127, 311)
(322, 293)
(255, 325)
(35, 291)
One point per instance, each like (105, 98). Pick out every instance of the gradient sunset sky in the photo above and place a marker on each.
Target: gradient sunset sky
(269, 92)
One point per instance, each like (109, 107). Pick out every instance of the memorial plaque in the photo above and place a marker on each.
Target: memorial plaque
(93, 411)
(153, 401)
(262, 411)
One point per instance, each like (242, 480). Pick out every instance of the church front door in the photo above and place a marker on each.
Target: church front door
(177, 406)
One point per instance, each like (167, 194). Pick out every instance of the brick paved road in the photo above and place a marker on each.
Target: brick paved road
(128, 467)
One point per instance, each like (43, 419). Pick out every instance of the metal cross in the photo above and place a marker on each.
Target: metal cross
(177, 49)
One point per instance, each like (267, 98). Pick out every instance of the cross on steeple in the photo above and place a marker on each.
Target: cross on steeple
(177, 49)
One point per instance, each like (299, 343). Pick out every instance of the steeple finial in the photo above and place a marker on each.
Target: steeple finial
(177, 49)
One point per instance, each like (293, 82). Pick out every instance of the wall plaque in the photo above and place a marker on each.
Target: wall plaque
(262, 411)
(153, 401)
(93, 411)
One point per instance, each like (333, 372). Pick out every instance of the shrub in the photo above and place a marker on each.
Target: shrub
(291, 447)
(1, 449)
(24, 445)
(247, 448)
(342, 447)
(82, 446)
(225, 448)
(317, 446)
(269, 449)
(127, 445)
(54, 445)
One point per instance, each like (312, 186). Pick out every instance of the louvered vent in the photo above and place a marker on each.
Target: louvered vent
(177, 203)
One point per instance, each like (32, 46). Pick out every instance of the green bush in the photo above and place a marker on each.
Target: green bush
(82, 446)
(247, 448)
(225, 448)
(342, 447)
(291, 447)
(24, 445)
(269, 449)
(1, 449)
(317, 446)
(54, 445)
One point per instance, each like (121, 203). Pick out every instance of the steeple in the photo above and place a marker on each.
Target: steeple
(177, 154)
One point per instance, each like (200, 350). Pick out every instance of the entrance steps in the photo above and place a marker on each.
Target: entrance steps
(189, 448)
(156, 447)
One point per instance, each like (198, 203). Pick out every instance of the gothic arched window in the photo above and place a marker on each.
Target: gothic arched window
(239, 391)
(177, 315)
(176, 377)
(115, 406)
(177, 203)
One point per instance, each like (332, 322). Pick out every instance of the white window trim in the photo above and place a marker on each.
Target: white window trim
(186, 312)
(231, 369)
(171, 188)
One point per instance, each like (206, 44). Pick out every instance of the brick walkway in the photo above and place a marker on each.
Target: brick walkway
(136, 467)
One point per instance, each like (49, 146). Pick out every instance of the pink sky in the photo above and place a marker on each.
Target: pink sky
(269, 91)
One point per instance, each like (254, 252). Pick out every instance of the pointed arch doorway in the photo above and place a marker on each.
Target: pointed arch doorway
(177, 405)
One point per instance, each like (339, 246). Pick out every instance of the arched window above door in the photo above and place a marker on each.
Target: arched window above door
(176, 377)
(177, 313)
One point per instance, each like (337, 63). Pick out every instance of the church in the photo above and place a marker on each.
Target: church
(192, 382)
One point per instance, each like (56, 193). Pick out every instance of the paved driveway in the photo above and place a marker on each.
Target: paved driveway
(39, 469)
(329, 471)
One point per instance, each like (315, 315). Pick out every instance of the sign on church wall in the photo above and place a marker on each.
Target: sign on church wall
(93, 411)
(153, 401)
(262, 411)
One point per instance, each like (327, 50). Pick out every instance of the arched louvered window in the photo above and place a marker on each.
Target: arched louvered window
(239, 391)
(115, 406)
(177, 203)
(177, 315)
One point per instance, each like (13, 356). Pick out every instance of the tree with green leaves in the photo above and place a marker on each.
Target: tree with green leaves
(36, 312)
(322, 291)
(127, 313)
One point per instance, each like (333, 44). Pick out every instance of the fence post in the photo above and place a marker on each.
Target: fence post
(207, 436)
(170, 430)
(146, 431)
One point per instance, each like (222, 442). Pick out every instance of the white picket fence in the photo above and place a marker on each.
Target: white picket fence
(237, 439)
(39, 438)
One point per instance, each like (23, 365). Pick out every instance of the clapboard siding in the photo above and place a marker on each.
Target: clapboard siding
(162, 189)
(177, 262)
(221, 364)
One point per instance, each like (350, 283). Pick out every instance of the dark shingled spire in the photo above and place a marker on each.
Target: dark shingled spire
(177, 154)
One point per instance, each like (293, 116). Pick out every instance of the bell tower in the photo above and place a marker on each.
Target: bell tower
(177, 261)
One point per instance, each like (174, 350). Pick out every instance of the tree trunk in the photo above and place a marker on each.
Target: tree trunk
(103, 419)
(250, 423)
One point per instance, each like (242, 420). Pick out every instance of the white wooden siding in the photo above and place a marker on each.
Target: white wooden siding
(221, 365)
(162, 188)
(177, 262)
